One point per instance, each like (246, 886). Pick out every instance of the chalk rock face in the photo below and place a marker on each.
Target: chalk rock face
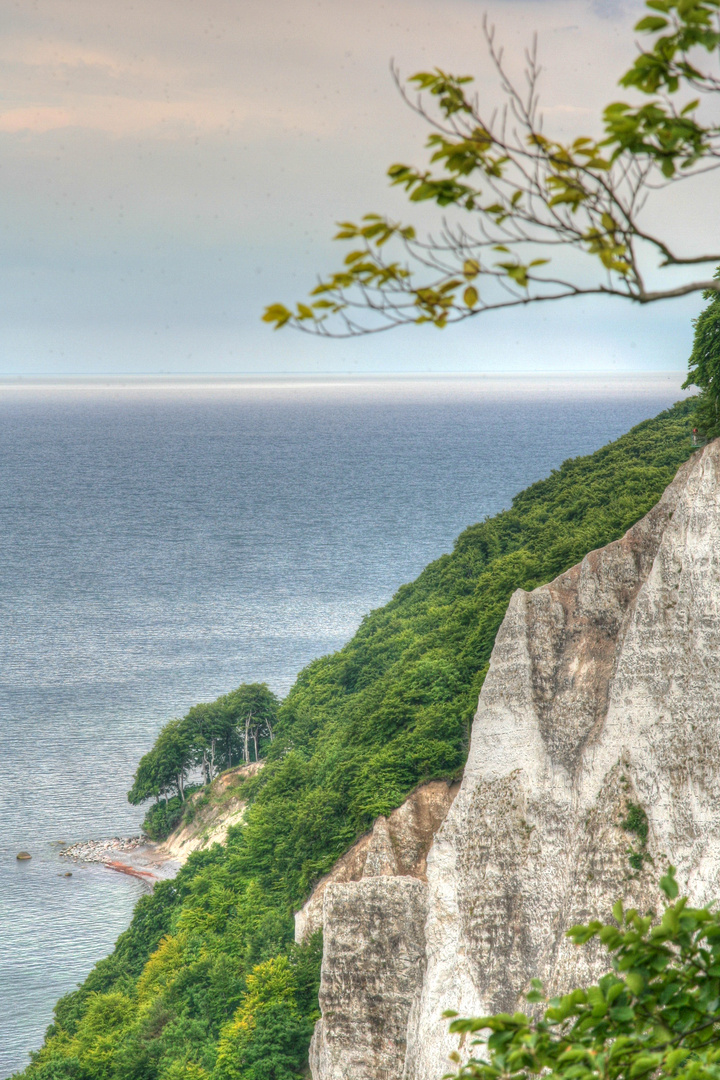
(373, 961)
(398, 844)
(595, 745)
(372, 907)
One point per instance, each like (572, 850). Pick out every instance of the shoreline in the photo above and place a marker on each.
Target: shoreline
(136, 856)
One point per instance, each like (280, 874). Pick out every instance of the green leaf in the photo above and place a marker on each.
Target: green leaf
(278, 314)
(651, 23)
(675, 1058)
(668, 884)
(645, 1063)
(470, 296)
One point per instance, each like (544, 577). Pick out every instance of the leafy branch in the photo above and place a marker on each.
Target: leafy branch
(529, 196)
(657, 1013)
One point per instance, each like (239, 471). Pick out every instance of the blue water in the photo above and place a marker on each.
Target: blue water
(160, 545)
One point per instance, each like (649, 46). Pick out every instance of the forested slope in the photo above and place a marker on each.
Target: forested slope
(206, 981)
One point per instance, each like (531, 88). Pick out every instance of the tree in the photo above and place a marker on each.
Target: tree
(165, 767)
(532, 199)
(267, 1037)
(212, 736)
(704, 365)
(210, 726)
(656, 1014)
(251, 712)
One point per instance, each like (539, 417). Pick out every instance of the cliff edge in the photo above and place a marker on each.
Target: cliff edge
(594, 760)
(214, 809)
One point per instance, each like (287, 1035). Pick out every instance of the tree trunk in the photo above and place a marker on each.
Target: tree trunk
(255, 737)
(205, 769)
(212, 758)
(268, 725)
(181, 787)
(246, 746)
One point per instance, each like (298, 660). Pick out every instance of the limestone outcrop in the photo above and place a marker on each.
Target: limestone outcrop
(594, 760)
(372, 907)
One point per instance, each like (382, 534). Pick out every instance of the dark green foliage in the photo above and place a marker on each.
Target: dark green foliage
(207, 981)
(236, 727)
(163, 817)
(636, 822)
(278, 1048)
(654, 1015)
(704, 365)
(164, 768)
(60, 1069)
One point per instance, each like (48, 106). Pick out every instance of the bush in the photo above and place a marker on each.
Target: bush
(163, 818)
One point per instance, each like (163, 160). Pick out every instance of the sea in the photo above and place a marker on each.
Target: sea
(162, 542)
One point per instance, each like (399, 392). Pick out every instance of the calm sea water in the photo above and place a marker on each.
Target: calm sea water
(158, 546)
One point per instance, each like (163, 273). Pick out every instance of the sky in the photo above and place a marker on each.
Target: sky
(169, 168)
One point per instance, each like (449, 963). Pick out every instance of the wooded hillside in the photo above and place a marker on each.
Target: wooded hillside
(206, 982)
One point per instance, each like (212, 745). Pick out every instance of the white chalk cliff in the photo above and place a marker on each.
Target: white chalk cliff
(603, 693)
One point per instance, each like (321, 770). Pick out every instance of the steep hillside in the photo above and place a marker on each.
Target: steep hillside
(207, 980)
(594, 762)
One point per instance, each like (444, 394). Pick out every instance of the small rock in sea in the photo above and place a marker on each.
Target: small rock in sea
(23, 855)
(68, 873)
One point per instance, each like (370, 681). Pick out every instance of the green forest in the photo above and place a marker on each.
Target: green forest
(207, 982)
(213, 737)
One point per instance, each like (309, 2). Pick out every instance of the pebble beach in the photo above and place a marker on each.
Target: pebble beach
(136, 856)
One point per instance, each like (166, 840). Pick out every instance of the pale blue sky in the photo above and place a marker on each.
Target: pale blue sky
(169, 168)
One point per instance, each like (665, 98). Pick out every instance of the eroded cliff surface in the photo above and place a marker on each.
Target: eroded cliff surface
(600, 710)
(219, 807)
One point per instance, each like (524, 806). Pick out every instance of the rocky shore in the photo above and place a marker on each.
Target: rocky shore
(103, 851)
(136, 856)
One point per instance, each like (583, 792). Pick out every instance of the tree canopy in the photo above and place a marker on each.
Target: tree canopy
(164, 768)
(212, 736)
(532, 214)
